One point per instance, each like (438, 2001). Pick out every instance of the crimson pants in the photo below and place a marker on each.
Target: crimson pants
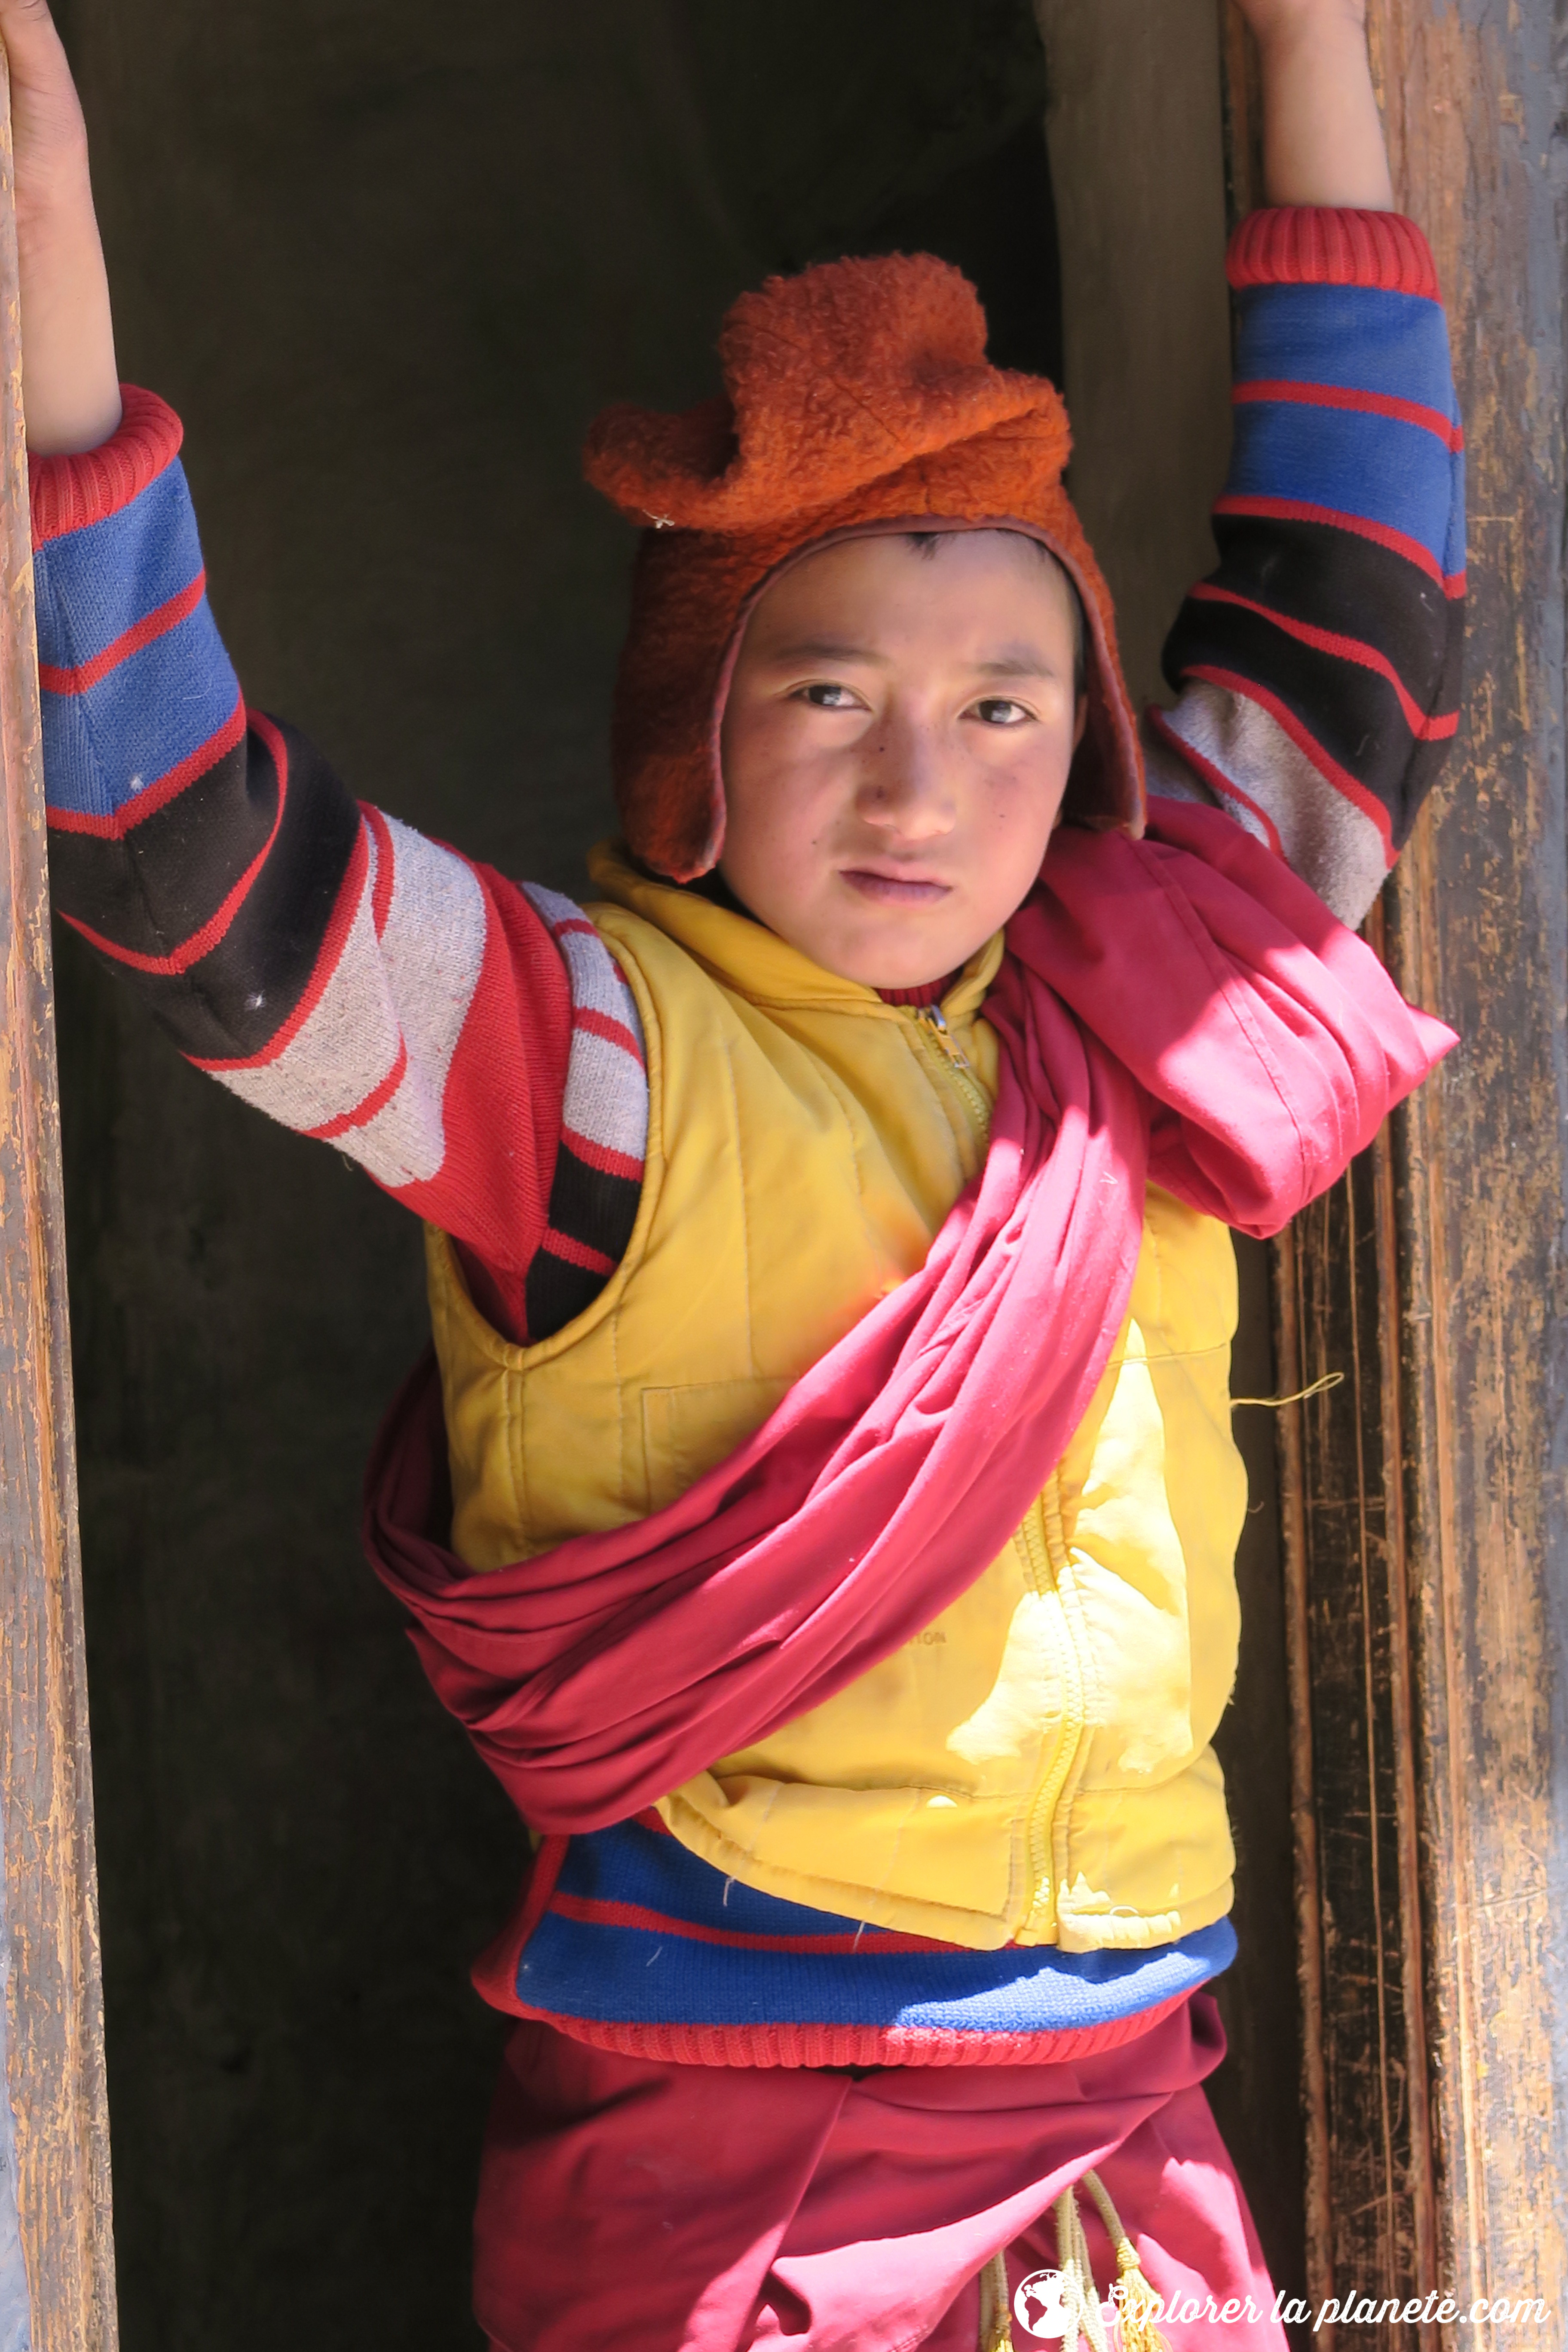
(625, 2202)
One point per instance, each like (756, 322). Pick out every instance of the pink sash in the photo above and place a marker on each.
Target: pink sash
(1180, 1010)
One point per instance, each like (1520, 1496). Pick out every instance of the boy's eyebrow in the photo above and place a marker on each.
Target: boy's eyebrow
(824, 649)
(1018, 661)
(1010, 661)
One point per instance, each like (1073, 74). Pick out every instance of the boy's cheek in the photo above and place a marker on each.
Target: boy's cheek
(780, 815)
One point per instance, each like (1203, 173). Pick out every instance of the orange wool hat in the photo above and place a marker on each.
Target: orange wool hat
(858, 397)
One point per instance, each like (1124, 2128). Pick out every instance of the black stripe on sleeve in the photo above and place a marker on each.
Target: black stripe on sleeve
(555, 1292)
(589, 1205)
(1352, 712)
(155, 885)
(152, 892)
(1336, 580)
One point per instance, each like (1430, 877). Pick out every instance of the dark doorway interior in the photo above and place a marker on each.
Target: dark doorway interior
(388, 262)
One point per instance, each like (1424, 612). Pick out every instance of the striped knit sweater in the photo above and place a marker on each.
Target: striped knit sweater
(470, 1043)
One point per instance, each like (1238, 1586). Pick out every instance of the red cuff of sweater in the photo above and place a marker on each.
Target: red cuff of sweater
(68, 493)
(1325, 244)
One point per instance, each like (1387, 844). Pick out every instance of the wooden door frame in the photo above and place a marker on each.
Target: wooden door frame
(54, 2008)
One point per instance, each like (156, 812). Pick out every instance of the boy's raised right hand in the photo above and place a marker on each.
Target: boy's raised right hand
(70, 392)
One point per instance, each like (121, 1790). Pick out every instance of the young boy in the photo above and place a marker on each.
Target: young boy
(822, 1506)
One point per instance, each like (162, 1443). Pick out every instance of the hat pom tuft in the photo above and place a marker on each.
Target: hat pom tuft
(832, 380)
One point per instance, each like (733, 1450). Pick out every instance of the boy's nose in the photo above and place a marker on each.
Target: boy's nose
(906, 786)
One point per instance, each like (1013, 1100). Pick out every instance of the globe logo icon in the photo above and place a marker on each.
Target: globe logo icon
(1040, 2305)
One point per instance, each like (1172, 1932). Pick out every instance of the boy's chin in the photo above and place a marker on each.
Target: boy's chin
(896, 962)
(878, 947)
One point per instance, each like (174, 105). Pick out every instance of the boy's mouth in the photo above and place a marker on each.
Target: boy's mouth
(894, 889)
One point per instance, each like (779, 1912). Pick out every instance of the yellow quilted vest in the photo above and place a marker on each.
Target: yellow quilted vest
(1036, 1765)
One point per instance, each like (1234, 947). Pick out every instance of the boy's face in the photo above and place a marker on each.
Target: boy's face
(896, 745)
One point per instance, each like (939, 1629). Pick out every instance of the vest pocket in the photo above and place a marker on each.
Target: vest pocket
(691, 1429)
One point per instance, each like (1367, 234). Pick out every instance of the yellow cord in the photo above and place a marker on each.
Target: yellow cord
(1276, 1404)
(996, 2318)
(1136, 2301)
(1085, 2321)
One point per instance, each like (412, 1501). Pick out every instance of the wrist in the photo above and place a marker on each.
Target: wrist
(71, 384)
(87, 424)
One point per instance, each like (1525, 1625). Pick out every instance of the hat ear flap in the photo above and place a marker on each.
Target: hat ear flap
(1106, 785)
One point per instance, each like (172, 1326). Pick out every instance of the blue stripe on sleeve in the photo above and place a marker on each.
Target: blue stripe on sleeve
(1354, 336)
(102, 748)
(95, 583)
(1374, 468)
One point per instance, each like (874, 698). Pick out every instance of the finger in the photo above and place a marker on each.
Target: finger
(46, 112)
(33, 45)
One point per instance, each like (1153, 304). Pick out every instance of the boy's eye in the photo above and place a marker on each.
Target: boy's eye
(997, 712)
(828, 696)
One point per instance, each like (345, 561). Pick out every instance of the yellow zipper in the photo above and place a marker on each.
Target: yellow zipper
(931, 1020)
(1043, 1580)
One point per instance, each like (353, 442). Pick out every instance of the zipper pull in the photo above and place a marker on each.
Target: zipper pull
(934, 1014)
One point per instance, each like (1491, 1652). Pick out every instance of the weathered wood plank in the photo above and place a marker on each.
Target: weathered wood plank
(1373, 2223)
(1135, 144)
(54, 1999)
